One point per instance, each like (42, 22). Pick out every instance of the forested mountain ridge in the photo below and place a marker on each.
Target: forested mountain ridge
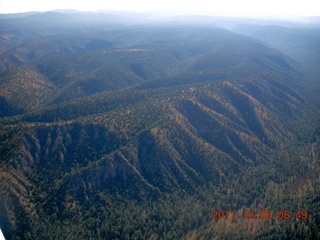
(300, 43)
(140, 132)
(177, 55)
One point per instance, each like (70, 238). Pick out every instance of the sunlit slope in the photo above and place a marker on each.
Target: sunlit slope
(178, 140)
(142, 137)
(151, 59)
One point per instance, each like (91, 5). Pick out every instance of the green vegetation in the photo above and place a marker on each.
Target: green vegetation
(141, 132)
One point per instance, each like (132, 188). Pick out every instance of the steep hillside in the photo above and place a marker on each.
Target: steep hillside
(171, 144)
(302, 44)
(48, 47)
(25, 89)
(72, 67)
(143, 131)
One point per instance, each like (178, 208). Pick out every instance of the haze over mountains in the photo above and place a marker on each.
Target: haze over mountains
(117, 129)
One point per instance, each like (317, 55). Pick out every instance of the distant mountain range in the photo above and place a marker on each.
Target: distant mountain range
(118, 129)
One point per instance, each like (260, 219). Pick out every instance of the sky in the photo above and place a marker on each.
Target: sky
(237, 8)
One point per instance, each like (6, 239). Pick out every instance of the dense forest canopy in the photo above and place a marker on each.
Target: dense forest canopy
(112, 129)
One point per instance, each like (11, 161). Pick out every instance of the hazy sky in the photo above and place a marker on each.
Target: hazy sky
(253, 8)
